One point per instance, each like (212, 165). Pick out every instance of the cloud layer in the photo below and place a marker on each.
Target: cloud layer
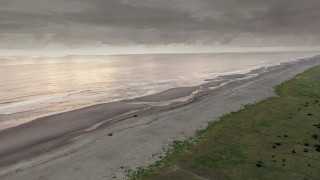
(28, 24)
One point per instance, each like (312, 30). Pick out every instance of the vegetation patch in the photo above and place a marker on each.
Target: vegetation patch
(277, 138)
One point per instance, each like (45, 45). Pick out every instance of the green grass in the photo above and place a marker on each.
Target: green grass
(273, 139)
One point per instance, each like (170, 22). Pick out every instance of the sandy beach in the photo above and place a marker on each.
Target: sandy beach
(96, 142)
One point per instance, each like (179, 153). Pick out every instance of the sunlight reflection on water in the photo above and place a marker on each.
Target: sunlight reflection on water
(55, 84)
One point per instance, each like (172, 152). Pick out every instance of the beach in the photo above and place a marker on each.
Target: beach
(130, 133)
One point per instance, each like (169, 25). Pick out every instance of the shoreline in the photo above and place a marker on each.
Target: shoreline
(13, 117)
(158, 123)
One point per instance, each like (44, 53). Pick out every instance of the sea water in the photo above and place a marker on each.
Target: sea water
(35, 86)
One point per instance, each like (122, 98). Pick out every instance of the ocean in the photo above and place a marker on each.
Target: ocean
(32, 87)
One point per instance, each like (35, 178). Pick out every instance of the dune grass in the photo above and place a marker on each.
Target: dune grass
(277, 138)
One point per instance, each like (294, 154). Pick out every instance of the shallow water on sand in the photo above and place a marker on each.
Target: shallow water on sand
(65, 83)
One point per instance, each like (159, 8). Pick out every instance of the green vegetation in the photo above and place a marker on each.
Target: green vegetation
(277, 138)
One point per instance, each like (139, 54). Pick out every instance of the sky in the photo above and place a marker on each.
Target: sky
(53, 27)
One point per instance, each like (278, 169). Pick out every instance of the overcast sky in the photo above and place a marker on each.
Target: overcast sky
(53, 24)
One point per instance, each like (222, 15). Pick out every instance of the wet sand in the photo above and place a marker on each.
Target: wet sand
(95, 142)
(169, 94)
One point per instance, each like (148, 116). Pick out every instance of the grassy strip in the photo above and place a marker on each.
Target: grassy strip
(277, 138)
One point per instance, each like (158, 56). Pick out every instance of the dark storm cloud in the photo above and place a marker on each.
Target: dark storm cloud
(37, 23)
